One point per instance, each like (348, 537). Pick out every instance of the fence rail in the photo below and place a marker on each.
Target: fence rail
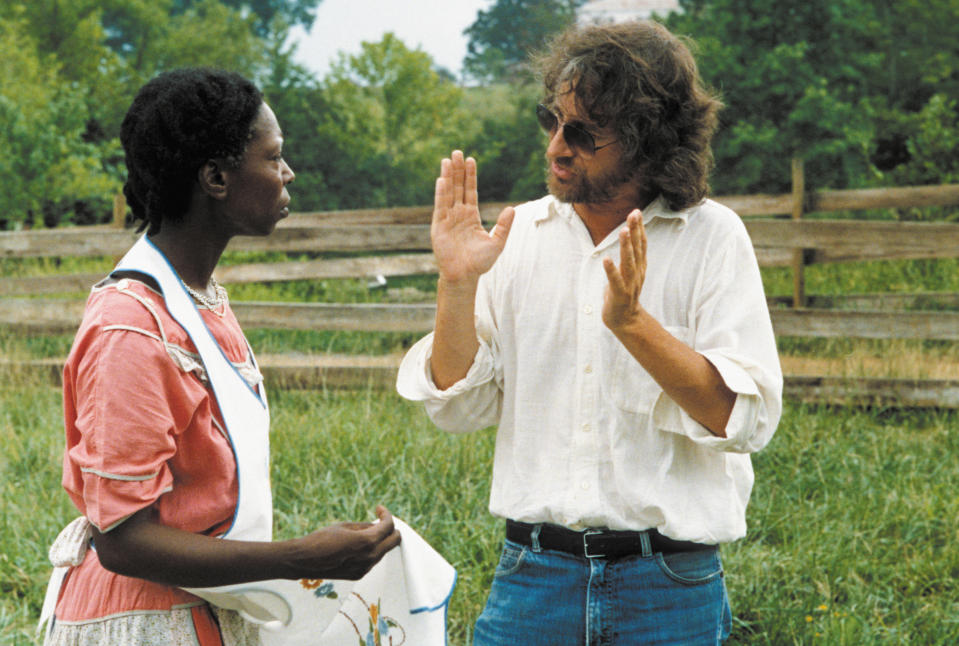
(395, 242)
(57, 315)
(351, 372)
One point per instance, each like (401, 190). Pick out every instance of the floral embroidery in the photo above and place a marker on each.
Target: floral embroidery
(326, 590)
(321, 590)
(381, 630)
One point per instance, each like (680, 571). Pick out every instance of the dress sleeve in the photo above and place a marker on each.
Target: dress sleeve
(126, 404)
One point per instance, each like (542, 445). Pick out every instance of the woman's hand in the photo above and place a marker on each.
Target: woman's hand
(143, 548)
(344, 550)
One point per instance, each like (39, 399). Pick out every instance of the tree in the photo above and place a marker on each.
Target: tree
(72, 67)
(111, 47)
(503, 37)
(50, 166)
(839, 83)
(778, 65)
(509, 145)
(208, 33)
(383, 120)
(265, 12)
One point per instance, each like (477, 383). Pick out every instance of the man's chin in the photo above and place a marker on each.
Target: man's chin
(562, 191)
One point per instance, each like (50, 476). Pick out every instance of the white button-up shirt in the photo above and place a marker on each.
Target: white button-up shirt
(586, 437)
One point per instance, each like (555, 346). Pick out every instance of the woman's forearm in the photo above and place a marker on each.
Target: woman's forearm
(143, 548)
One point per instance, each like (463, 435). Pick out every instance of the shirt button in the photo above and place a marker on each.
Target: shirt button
(586, 427)
(588, 369)
(584, 486)
(588, 309)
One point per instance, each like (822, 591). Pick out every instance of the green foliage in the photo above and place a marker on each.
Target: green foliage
(508, 145)
(208, 33)
(266, 12)
(69, 71)
(865, 92)
(48, 166)
(149, 36)
(503, 36)
(933, 145)
(78, 37)
(838, 83)
(373, 131)
(785, 71)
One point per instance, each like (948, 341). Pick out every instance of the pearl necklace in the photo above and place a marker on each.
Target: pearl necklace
(212, 304)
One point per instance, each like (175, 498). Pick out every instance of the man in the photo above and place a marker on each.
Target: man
(617, 332)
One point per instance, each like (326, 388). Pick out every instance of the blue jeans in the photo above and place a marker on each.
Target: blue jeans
(549, 598)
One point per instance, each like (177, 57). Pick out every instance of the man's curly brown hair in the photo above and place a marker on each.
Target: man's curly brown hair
(642, 81)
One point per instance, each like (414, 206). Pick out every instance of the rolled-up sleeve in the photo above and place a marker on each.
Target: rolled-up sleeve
(734, 333)
(468, 405)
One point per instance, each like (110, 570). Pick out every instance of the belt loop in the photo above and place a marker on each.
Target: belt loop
(646, 545)
(534, 536)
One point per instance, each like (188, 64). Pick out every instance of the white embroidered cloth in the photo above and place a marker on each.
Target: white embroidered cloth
(402, 600)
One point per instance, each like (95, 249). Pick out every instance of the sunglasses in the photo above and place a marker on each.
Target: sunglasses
(576, 137)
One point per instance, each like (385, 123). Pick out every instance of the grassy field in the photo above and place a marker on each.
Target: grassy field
(853, 535)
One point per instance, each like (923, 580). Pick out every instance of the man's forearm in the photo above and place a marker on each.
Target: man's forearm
(685, 375)
(454, 335)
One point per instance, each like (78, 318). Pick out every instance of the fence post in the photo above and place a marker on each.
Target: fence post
(119, 210)
(799, 255)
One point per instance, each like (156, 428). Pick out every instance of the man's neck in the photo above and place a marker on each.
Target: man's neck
(602, 218)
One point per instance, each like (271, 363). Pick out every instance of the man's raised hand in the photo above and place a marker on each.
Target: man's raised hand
(621, 305)
(463, 248)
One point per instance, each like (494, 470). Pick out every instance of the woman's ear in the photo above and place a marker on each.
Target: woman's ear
(212, 179)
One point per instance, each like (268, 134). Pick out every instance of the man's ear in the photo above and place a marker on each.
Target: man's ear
(212, 179)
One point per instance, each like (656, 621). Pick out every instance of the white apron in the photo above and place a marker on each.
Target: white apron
(401, 600)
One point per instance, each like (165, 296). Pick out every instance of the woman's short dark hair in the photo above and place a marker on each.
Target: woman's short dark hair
(178, 121)
(642, 81)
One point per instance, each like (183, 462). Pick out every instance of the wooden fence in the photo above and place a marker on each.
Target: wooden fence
(395, 242)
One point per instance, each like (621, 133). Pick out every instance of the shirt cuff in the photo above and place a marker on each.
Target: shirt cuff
(742, 424)
(414, 381)
(736, 377)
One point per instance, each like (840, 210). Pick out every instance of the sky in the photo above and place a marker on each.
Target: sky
(434, 26)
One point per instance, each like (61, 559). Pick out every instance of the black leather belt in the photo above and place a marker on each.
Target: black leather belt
(597, 543)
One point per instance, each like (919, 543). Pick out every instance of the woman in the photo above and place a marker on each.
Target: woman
(166, 418)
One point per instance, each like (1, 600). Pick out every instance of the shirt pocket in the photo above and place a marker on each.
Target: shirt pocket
(630, 387)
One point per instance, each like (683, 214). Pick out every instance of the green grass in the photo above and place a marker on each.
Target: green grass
(879, 276)
(852, 536)
(852, 532)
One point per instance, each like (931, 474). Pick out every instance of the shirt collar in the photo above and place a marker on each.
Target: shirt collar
(656, 209)
(659, 209)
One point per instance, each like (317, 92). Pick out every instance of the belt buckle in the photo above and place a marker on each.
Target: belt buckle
(586, 552)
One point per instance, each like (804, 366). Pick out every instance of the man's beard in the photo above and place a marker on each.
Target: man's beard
(582, 189)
